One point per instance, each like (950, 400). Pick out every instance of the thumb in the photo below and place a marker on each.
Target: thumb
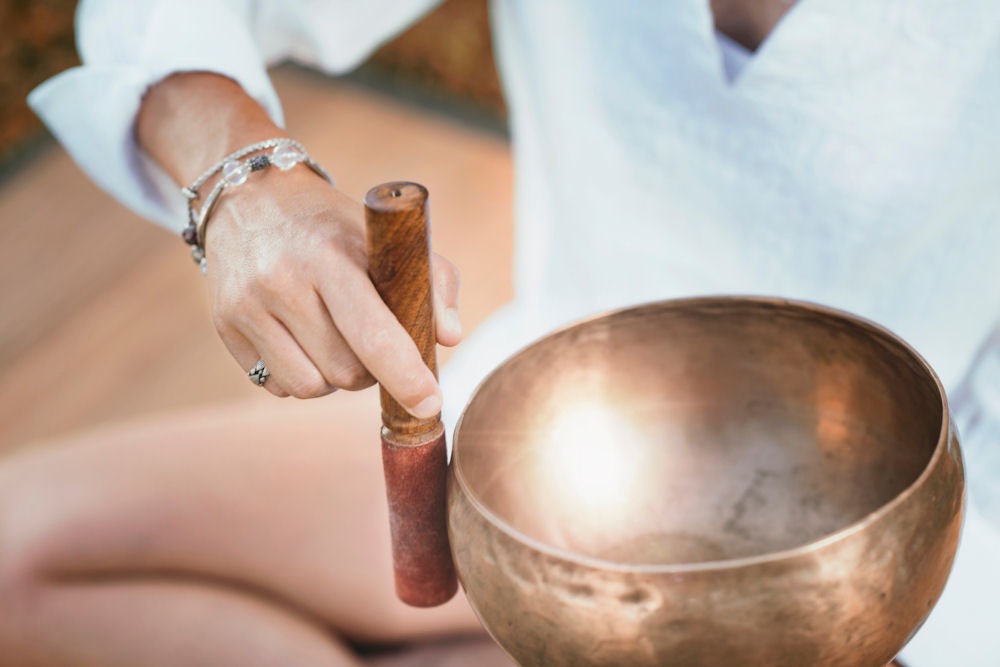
(444, 285)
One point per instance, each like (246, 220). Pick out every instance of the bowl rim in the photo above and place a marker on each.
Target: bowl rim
(875, 516)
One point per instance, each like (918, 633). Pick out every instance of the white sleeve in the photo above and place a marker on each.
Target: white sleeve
(128, 45)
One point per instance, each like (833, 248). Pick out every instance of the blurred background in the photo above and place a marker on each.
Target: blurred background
(103, 317)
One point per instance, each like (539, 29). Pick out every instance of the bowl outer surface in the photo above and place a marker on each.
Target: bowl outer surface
(851, 598)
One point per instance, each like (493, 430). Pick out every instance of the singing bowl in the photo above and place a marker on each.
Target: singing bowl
(716, 481)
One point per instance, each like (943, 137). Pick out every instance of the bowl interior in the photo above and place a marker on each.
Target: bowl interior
(698, 430)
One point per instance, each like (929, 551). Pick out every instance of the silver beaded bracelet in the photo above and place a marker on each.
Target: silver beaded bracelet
(235, 170)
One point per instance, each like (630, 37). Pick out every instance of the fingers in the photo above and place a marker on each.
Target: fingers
(305, 354)
(291, 368)
(292, 373)
(308, 355)
(379, 341)
(308, 321)
(444, 287)
(246, 356)
(290, 285)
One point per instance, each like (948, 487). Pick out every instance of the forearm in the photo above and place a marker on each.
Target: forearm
(189, 120)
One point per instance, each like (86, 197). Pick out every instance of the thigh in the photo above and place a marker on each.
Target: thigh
(285, 498)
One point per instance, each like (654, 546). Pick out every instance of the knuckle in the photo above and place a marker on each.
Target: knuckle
(346, 242)
(232, 315)
(307, 385)
(223, 321)
(352, 377)
(223, 307)
(277, 391)
(279, 278)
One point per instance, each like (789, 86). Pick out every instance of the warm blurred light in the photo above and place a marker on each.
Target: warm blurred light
(591, 454)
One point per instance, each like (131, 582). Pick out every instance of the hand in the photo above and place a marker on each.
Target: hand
(287, 267)
(287, 274)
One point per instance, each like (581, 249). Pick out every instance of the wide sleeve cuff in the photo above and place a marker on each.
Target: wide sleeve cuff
(92, 109)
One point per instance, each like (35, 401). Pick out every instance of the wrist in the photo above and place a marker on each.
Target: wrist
(189, 120)
(232, 171)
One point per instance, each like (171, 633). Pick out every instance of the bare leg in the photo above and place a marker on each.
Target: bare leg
(248, 536)
(163, 623)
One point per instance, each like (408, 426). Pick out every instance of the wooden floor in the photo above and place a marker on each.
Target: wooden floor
(104, 317)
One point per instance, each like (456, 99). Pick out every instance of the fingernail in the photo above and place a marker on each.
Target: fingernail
(428, 407)
(452, 320)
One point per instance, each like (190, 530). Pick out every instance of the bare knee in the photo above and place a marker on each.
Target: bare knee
(37, 527)
(49, 507)
(28, 506)
(21, 559)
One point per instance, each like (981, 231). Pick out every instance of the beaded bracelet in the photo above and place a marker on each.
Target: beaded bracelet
(286, 154)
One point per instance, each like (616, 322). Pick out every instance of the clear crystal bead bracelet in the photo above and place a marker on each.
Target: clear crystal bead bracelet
(235, 169)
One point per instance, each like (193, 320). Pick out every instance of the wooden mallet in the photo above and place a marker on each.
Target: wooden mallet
(414, 456)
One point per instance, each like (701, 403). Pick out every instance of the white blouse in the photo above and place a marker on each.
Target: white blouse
(851, 160)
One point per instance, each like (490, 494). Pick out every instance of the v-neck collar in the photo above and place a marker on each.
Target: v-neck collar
(756, 60)
(735, 56)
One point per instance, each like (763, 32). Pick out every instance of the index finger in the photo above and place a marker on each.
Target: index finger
(380, 342)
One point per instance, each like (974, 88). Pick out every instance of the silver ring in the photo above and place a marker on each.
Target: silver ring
(259, 373)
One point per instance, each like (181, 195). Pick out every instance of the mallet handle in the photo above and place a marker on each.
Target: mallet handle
(414, 455)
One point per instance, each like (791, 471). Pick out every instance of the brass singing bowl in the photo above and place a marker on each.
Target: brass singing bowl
(716, 481)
